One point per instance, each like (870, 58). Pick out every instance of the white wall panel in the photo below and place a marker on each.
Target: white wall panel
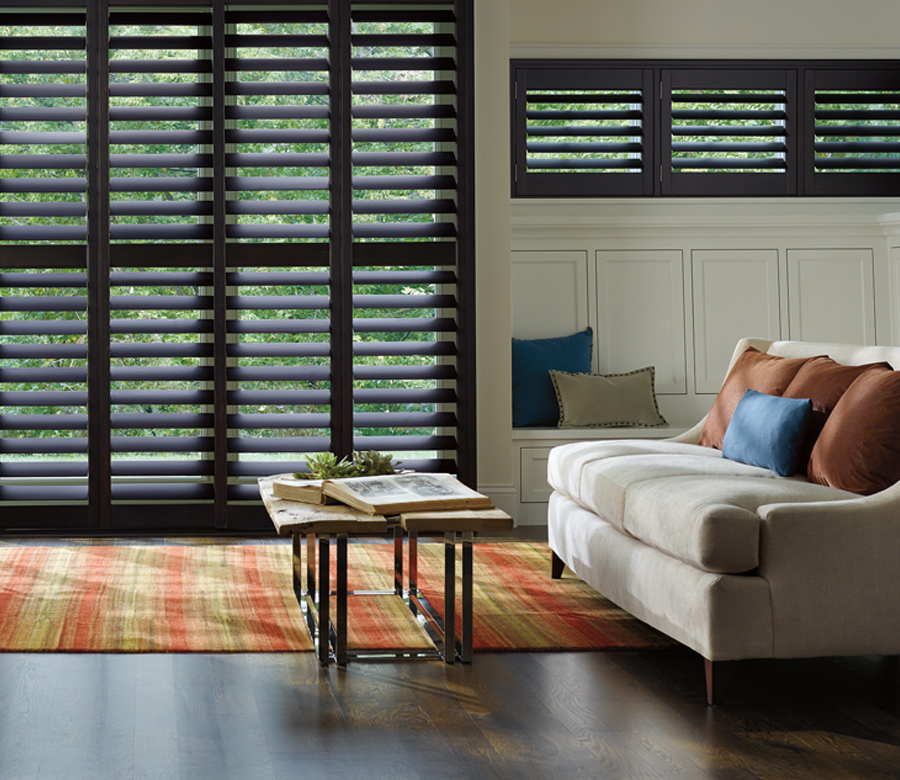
(550, 294)
(640, 314)
(831, 295)
(736, 294)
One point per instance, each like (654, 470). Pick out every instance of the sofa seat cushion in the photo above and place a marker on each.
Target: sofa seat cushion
(682, 499)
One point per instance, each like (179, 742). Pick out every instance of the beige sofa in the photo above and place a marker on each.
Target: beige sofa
(727, 558)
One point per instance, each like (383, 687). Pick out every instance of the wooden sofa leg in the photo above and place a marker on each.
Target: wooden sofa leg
(556, 566)
(709, 681)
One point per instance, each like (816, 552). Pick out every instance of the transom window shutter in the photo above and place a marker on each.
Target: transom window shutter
(855, 124)
(249, 230)
(705, 128)
(732, 130)
(583, 131)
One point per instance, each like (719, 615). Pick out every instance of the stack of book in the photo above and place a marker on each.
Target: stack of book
(391, 494)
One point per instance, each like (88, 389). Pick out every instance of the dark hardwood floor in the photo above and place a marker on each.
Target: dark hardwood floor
(622, 715)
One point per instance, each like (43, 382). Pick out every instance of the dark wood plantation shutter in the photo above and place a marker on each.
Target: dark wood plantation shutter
(854, 126)
(729, 131)
(43, 330)
(583, 131)
(232, 237)
(278, 109)
(404, 177)
(161, 303)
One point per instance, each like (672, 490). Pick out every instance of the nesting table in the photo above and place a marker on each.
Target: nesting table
(312, 527)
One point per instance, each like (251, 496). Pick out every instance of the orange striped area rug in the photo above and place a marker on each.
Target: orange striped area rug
(238, 598)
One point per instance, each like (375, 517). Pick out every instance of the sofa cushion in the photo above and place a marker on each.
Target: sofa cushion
(823, 381)
(685, 500)
(859, 447)
(768, 431)
(566, 463)
(753, 370)
(712, 522)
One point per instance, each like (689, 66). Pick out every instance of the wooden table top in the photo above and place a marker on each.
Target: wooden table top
(293, 516)
(456, 520)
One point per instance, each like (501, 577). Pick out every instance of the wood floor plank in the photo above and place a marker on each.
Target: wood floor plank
(515, 716)
(27, 685)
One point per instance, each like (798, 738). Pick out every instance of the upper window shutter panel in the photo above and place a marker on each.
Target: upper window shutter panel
(728, 131)
(853, 121)
(582, 131)
(43, 118)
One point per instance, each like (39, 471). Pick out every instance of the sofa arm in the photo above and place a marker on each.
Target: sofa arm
(834, 573)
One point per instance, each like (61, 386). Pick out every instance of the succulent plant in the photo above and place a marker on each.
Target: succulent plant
(371, 463)
(325, 465)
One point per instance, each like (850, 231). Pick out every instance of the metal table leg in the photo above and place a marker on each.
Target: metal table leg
(449, 597)
(465, 649)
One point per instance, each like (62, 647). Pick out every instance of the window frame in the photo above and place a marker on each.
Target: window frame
(799, 80)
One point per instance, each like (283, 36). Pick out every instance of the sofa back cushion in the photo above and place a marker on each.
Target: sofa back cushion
(824, 381)
(753, 370)
(859, 447)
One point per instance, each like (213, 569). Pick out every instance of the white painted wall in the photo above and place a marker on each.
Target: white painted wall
(674, 241)
(782, 28)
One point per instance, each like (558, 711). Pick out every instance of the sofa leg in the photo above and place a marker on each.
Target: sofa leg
(556, 566)
(709, 681)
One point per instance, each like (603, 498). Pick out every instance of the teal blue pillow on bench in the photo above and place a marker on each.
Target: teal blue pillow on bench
(533, 396)
(768, 431)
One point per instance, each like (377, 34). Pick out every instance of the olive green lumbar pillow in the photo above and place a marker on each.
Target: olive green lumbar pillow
(607, 400)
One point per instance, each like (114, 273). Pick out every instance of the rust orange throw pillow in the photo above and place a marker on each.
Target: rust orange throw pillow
(823, 381)
(753, 370)
(859, 447)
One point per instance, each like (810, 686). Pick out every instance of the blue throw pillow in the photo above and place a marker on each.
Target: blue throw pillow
(768, 431)
(533, 396)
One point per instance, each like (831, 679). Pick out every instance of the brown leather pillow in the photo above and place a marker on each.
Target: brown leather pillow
(859, 447)
(823, 381)
(753, 370)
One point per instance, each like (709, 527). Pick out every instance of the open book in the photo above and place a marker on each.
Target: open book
(396, 493)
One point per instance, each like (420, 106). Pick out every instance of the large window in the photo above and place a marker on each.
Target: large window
(230, 236)
(625, 128)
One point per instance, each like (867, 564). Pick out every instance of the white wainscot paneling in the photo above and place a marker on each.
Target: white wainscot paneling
(895, 293)
(831, 295)
(640, 307)
(549, 293)
(736, 294)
